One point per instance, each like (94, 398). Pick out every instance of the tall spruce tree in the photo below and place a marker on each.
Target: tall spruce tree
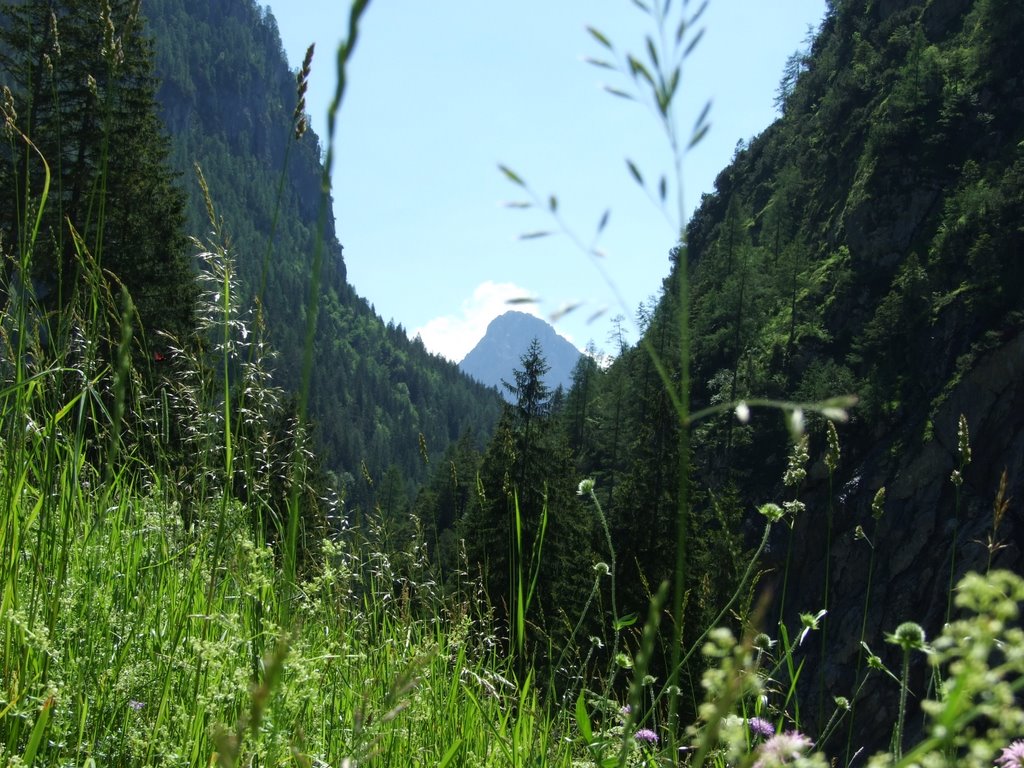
(529, 522)
(81, 76)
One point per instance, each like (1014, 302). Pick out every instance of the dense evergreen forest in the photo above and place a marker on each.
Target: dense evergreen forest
(75, 107)
(867, 243)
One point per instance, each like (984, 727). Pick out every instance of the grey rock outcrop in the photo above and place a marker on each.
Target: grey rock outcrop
(925, 528)
(507, 338)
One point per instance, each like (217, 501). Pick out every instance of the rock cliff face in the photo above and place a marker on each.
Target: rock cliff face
(921, 533)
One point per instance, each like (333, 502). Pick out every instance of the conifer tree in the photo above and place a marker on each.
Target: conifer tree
(526, 478)
(579, 403)
(81, 76)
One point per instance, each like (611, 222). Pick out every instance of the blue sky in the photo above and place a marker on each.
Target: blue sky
(442, 92)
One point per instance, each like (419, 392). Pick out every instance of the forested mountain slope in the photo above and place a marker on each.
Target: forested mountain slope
(379, 400)
(870, 241)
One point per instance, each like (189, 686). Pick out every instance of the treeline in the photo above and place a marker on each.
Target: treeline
(579, 567)
(869, 242)
(108, 309)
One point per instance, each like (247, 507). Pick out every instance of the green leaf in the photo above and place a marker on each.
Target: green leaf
(635, 172)
(703, 116)
(535, 235)
(636, 67)
(604, 221)
(553, 203)
(701, 126)
(642, 6)
(698, 136)
(617, 92)
(521, 300)
(450, 753)
(596, 34)
(693, 43)
(663, 101)
(517, 204)
(673, 84)
(625, 621)
(583, 719)
(512, 175)
(564, 310)
(599, 63)
(36, 737)
(681, 30)
(698, 13)
(652, 52)
(663, 189)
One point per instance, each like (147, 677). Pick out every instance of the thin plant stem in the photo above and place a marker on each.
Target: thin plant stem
(616, 630)
(741, 587)
(901, 717)
(825, 602)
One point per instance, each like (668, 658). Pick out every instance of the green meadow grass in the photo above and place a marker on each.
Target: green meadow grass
(127, 639)
(152, 614)
(147, 619)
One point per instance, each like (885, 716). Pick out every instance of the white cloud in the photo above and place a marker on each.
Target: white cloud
(453, 336)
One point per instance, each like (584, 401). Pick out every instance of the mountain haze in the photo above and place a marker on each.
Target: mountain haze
(507, 339)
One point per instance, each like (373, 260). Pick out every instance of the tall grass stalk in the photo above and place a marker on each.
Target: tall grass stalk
(909, 637)
(586, 488)
(655, 84)
(957, 478)
(877, 510)
(525, 571)
(832, 455)
(146, 618)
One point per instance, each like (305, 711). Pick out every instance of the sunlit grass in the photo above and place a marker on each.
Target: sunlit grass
(165, 602)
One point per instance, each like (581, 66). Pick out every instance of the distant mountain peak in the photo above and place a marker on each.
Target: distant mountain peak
(507, 338)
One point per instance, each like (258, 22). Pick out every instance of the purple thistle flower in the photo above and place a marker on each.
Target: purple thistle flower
(761, 727)
(646, 736)
(136, 705)
(1012, 756)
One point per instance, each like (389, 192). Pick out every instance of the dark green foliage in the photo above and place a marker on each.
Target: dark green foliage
(577, 413)
(899, 214)
(81, 75)
(867, 242)
(528, 519)
(445, 501)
